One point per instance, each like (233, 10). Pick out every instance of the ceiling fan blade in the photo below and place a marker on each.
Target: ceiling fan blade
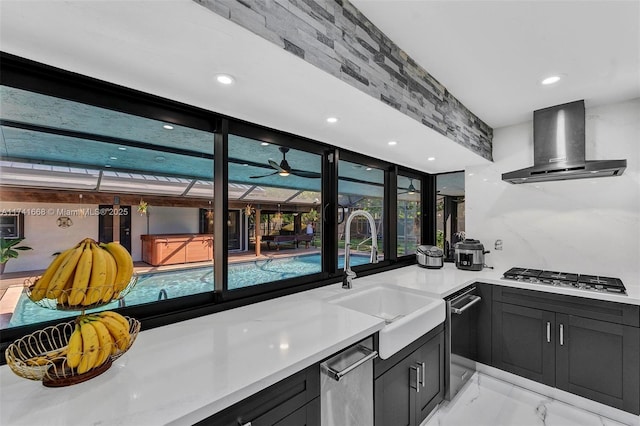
(275, 165)
(305, 174)
(261, 176)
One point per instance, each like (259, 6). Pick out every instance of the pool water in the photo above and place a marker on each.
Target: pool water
(152, 287)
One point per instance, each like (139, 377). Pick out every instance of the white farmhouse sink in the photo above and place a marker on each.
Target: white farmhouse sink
(408, 313)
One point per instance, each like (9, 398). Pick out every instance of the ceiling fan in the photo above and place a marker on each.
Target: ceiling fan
(283, 169)
(411, 189)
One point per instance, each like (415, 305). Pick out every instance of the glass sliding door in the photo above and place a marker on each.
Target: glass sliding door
(408, 214)
(275, 200)
(360, 187)
(110, 176)
(450, 212)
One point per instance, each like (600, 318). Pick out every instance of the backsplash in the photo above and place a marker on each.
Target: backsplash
(588, 226)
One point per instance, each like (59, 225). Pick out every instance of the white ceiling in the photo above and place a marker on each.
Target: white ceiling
(173, 48)
(492, 54)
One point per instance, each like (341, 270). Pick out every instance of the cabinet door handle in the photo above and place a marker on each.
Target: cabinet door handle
(416, 368)
(548, 332)
(561, 335)
(424, 376)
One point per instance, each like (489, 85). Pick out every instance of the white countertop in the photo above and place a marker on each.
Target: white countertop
(185, 372)
(449, 279)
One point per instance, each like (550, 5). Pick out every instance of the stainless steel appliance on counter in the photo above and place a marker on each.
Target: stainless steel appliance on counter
(430, 257)
(469, 255)
(461, 338)
(346, 386)
(566, 279)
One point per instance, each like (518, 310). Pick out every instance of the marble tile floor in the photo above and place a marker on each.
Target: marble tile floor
(488, 401)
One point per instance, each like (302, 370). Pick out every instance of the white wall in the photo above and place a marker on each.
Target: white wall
(43, 235)
(589, 226)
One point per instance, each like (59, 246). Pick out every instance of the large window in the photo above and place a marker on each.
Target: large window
(216, 212)
(277, 195)
(408, 215)
(91, 172)
(360, 187)
(450, 213)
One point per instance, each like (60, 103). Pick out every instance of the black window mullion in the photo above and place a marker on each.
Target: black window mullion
(428, 204)
(391, 214)
(329, 212)
(220, 207)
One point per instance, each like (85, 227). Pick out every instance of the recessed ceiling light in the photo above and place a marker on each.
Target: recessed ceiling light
(369, 168)
(392, 143)
(122, 148)
(168, 127)
(470, 174)
(107, 166)
(552, 79)
(332, 120)
(245, 165)
(113, 158)
(431, 158)
(225, 79)
(265, 144)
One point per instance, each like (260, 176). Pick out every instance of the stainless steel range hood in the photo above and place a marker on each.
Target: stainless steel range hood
(558, 148)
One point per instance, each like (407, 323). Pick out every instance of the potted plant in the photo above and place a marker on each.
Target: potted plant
(8, 250)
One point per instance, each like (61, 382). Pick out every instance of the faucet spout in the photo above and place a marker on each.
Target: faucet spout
(349, 275)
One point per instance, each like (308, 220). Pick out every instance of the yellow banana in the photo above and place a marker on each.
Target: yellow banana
(41, 285)
(106, 342)
(125, 264)
(109, 285)
(82, 276)
(64, 271)
(122, 320)
(47, 357)
(120, 334)
(96, 288)
(74, 353)
(90, 347)
(63, 299)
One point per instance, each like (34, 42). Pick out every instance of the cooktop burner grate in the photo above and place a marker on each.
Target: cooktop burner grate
(566, 279)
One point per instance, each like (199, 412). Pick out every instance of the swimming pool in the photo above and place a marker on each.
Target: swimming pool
(154, 286)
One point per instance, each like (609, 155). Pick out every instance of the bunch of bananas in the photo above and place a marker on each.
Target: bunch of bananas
(85, 275)
(95, 338)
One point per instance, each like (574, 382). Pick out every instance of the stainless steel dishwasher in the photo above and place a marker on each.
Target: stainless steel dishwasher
(346, 386)
(461, 338)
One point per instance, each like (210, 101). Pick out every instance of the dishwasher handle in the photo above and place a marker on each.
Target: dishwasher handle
(336, 375)
(473, 300)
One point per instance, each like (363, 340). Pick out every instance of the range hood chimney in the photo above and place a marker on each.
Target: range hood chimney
(558, 148)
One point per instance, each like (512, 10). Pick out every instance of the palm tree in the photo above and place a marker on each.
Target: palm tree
(8, 250)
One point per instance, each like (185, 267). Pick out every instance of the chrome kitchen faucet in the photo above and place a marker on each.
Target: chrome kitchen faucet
(349, 275)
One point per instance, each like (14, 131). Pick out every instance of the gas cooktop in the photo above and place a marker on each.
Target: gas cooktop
(566, 279)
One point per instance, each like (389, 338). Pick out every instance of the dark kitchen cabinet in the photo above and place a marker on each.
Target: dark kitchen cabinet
(520, 343)
(599, 360)
(410, 384)
(294, 401)
(583, 346)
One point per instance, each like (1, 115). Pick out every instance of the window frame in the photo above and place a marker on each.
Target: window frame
(40, 78)
(402, 171)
